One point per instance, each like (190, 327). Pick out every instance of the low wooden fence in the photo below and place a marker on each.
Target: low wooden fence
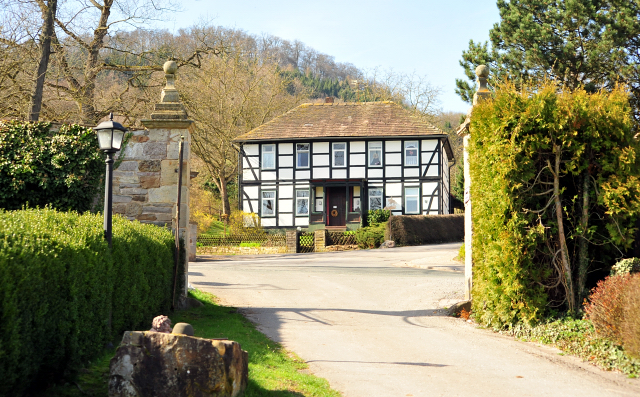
(242, 243)
(249, 243)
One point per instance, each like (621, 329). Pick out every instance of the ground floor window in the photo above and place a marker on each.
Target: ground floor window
(268, 203)
(302, 202)
(375, 199)
(411, 200)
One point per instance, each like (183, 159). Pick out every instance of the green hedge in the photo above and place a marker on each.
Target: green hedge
(425, 229)
(42, 166)
(555, 187)
(63, 295)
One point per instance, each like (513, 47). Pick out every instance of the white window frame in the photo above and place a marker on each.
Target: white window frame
(416, 196)
(333, 154)
(308, 151)
(381, 196)
(305, 198)
(369, 152)
(417, 156)
(262, 198)
(263, 155)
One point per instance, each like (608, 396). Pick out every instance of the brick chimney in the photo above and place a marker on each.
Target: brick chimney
(328, 99)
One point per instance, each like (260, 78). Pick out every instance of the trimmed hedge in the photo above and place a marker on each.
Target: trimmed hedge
(63, 295)
(42, 166)
(425, 229)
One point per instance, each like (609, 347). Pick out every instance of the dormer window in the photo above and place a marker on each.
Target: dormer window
(302, 155)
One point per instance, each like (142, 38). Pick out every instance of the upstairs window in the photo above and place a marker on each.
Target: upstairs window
(268, 157)
(268, 203)
(302, 154)
(412, 200)
(411, 153)
(302, 202)
(339, 154)
(375, 154)
(375, 199)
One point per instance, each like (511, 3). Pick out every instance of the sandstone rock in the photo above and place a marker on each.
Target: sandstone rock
(388, 244)
(166, 365)
(154, 150)
(147, 182)
(457, 308)
(149, 165)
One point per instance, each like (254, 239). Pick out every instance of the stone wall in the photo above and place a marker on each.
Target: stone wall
(145, 183)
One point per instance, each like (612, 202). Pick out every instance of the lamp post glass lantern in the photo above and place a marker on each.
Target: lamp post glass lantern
(110, 135)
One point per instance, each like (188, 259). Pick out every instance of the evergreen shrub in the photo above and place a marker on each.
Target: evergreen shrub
(371, 236)
(63, 295)
(426, 229)
(555, 193)
(42, 166)
(378, 216)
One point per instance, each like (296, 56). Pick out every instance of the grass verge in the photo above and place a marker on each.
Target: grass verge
(578, 338)
(273, 371)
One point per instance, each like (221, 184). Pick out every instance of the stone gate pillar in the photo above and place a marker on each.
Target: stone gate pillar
(146, 182)
(482, 72)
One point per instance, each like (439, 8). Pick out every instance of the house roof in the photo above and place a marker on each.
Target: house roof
(350, 119)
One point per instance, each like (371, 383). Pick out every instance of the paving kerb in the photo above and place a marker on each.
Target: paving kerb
(373, 327)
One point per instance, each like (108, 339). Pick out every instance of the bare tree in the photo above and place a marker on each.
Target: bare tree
(228, 96)
(48, 11)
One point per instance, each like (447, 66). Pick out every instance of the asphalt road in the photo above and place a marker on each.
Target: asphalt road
(373, 323)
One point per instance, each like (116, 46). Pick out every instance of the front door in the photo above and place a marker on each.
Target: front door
(336, 206)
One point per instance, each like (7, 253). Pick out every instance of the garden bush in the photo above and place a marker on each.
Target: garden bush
(64, 294)
(425, 229)
(605, 306)
(41, 166)
(555, 192)
(378, 216)
(630, 328)
(626, 266)
(371, 236)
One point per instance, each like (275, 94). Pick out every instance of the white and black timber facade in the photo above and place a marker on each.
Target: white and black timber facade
(326, 165)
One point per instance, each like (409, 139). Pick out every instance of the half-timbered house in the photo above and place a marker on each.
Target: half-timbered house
(325, 165)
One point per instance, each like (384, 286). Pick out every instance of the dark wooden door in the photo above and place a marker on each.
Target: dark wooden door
(336, 206)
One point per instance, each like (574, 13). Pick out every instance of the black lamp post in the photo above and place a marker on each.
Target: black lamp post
(110, 135)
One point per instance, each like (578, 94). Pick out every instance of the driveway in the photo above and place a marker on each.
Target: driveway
(373, 323)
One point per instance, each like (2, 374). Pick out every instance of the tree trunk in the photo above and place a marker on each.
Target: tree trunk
(224, 197)
(564, 251)
(48, 15)
(583, 243)
(87, 107)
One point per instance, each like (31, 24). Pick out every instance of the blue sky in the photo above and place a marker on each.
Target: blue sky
(427, 36)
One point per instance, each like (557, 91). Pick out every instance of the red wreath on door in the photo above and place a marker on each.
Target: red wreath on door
(334, 213)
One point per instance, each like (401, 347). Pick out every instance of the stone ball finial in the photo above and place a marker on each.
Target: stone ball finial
(161, 324)
(482, 71)
(170, 67)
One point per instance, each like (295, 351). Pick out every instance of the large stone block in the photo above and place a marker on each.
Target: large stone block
(120, 199)
(166, 365)
(149, 166)
(128, 166)
(120, 177)
(158, 135)
(169, 173)
(147, 182)
(174, 154)
(134, 150)
(163, 194)
(133, 209)
(154, 150)
(158, 209)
